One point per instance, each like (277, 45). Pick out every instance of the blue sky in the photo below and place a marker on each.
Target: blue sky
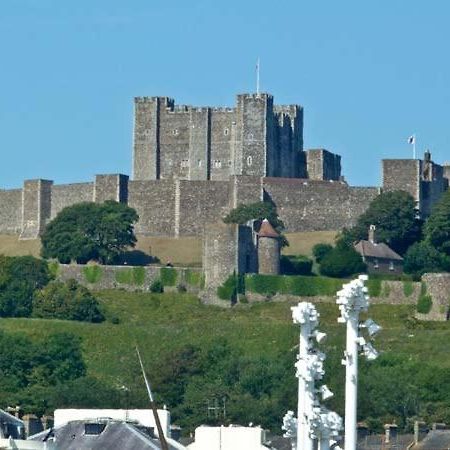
(368, 73)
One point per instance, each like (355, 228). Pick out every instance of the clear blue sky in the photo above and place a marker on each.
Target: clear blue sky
(368, 73)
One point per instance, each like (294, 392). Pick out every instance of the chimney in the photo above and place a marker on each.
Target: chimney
(372, 229)
(390, 432)
(420, 431)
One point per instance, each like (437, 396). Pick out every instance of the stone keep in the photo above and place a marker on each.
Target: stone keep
(191, 165)
(255, 138)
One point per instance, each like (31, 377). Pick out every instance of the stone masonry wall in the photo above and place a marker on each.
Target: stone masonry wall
(306, 205)
(154, 201)
(109, 276)
(402, 174)
(11, 211)
(68, 194)
(438, 287)
(198, 203)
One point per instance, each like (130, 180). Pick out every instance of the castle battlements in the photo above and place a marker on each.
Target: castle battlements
(192, 164)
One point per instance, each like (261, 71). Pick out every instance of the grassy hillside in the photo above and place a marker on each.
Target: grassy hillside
(164, 325)
(181, 251)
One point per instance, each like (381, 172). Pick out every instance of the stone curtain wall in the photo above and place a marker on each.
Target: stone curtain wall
(183, 208)
(306, 205)
(438, 287)
(11, 211)
(109, 275)
(200, 202)
(154, 201)
(68, 194)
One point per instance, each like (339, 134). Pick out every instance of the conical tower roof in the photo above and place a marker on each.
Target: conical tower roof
(267, 230)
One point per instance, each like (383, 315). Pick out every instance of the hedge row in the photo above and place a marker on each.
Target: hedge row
(294, 285)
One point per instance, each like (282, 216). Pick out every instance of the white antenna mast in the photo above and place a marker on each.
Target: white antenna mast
(257, 76)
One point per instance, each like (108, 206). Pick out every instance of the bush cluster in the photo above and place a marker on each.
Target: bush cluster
(67, 301)
(295, 265)
(168, 276)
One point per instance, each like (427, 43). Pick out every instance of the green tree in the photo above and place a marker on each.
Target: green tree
(422, 257)
(437, 227)
(395, 216)
(90, 231)
(19, 278)
(342, 261)
(320, 251)
(67, 301)
(258, 212)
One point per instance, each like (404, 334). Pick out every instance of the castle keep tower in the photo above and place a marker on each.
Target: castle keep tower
(255, 138)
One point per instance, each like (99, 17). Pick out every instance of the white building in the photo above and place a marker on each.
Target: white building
(228, 438)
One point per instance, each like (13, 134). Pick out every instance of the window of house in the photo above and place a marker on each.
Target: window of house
(391, 265)
(375, 264)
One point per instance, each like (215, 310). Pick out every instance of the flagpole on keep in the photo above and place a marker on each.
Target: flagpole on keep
(414, 146)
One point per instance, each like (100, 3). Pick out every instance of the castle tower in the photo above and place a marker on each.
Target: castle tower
(268, 249)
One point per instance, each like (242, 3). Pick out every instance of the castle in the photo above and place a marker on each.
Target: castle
(191, 165)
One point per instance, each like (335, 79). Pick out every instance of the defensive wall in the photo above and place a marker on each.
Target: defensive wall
(183, 207)
(131, 278)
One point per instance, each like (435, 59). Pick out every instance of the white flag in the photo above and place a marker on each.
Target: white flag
(412, 140)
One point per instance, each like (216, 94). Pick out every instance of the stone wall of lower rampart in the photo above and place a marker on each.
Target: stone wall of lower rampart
(129, 278)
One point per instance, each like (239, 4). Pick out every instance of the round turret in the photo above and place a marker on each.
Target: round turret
(268, 249)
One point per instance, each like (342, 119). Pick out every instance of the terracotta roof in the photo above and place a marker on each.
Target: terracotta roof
(378, 250)
(267, 230)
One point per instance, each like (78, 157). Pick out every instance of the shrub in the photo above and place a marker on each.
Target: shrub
(181, 288)
(193, 278)
(424, 304)
(168, 276)
(408, 288)
(67, 301)
(231, 287)
(157, 287)
(92, 273)
(342, 261)
(320, 251)
(132, 276)
(53, 268)
(295, 265)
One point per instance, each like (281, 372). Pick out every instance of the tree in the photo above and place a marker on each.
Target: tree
(90, 231)
(19, 277)
(258, 212)
(342, 261)
(437, 227)
(422, 257)
(67, 301)
(395, 216)
(320, 251)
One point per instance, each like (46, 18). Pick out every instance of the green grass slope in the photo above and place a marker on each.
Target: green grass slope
(163, 324)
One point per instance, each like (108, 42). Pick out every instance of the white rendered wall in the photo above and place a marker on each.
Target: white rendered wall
(228, 438)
